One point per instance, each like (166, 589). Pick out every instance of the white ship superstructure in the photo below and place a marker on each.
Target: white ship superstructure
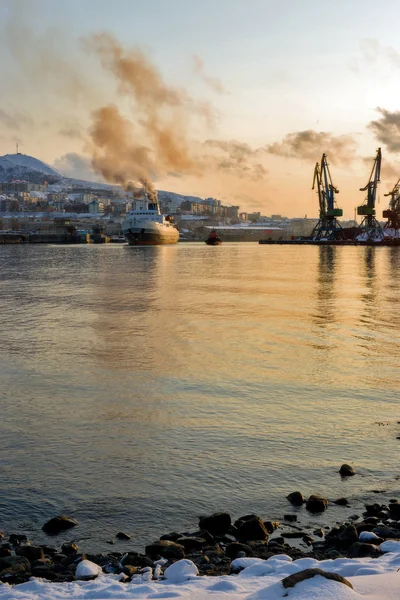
(145, 225)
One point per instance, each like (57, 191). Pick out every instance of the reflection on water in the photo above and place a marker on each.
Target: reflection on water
(145, 386)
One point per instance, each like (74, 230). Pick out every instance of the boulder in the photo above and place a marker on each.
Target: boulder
(10, 561)
(394, 510)
(218, 523)
(270, 526)
(69, 549)
(5, 552)
(87, 570)
(123, 536)
(129, 570)
(15, 574)
(347, 536)
(252, 529)
(347, 471)
(44, 572)
(58, 524)
(361, 550)
(32, 553)
(233, 549)
(296, 498)
(16, 539)
(316, 504)
(292, 580)
(191, 543)
(373, 510)
(341, 502)
(137, 560)
(165, 549)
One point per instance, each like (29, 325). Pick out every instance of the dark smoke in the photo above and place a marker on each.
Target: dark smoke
(387, 129)
(309, 143)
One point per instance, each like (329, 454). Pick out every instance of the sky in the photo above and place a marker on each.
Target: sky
(226, 98)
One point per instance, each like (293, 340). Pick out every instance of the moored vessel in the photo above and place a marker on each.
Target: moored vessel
(146, 226)
(213, 239)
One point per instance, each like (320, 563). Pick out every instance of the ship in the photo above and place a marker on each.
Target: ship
(144, 225)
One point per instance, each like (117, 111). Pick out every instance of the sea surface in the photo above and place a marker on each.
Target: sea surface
(143, 387)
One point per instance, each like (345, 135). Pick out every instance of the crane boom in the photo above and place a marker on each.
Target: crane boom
(370, 229)
(327, 228)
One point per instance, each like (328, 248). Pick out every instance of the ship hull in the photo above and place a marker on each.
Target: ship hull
(151, 234)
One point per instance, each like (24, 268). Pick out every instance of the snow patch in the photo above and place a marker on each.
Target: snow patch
(181, 571)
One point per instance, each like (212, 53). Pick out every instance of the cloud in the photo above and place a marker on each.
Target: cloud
(14, 120)
(76, 166)
(212, 82)
(237, 158)
(387, 129)
(309, 144)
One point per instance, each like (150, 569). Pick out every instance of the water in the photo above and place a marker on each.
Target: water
(142, 387)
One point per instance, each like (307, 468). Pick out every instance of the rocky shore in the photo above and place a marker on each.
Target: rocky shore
(212, 546)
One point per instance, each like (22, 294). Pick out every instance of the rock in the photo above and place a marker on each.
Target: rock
(129, 570)
(233, 549)
(32, 553)
(111, 542)
(241, 520)
(191, 543)
(137, 560)
(291, 580)
(87, 570)
(45, 573)
(290, 518)
(5, 552)
(296, 498)
(347, 536)
(218, 523)
(15, 574)
(69, 549)
(316, 504)
(341, 502)
(181, 571)
(347, 471)
(387, 532)
(394, 509)
(10, 561)
(307, 539)
(123, 536)
(369, 537)
(58, 524)
(16, 539)
(373, 510)
(165, 549)
(253, 529)
(270, 526)
(319, 532)
(360, 550)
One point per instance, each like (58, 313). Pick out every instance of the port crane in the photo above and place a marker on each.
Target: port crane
(328, 227)
(392, 213)
(370, 229)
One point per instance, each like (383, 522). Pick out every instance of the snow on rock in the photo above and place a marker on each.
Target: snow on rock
(390, 546)
(87, 570)
(181, 571)
(365, 536)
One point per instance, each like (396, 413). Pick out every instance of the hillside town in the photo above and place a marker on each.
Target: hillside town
(42, 200)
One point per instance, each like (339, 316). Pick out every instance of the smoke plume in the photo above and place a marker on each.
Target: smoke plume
(387, 129)
(237, 158)
(309, 143)
(212, 82)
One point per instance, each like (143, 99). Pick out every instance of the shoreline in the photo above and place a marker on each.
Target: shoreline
(214, 546)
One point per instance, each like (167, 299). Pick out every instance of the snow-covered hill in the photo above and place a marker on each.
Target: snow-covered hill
(22, 166)
(27, 168)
